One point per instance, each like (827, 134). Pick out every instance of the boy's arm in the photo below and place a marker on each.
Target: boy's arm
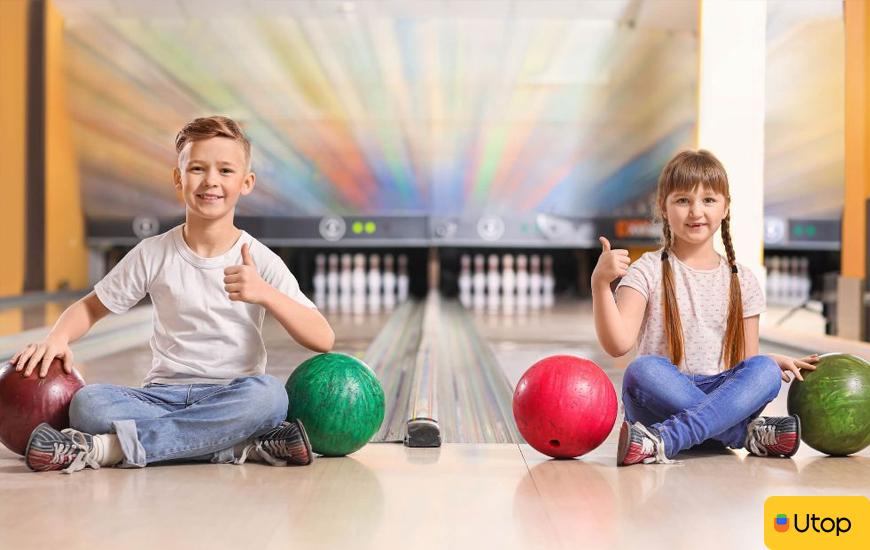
(72, 324)
(305, 325)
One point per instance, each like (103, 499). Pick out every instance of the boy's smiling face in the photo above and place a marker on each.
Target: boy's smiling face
(211, 175)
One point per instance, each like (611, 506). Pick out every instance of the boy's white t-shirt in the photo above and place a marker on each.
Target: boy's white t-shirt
(200, 335)
(702, 297)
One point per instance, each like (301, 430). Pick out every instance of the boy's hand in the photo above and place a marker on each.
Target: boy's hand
(243, 282)
(789, 364)
(611, 265)
(42, 354)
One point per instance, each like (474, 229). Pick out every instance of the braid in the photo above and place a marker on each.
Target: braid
(733, 344)
(670, 307)
(726, 239)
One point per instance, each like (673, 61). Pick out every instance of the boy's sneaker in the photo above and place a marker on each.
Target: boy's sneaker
(637, 444)
(68, 450)
(285, 445)
(773, 436)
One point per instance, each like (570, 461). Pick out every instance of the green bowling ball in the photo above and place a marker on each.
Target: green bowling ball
(339, 401)
(833, 403)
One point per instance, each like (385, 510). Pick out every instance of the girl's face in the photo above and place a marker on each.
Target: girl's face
(694, 216)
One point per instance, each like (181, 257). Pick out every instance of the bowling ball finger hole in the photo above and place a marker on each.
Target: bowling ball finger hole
(554, 443)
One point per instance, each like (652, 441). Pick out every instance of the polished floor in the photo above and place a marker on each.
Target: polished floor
(390, 496)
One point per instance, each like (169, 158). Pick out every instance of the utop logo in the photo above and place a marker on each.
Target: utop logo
(780, 523)
(813, 522)
(817, 524)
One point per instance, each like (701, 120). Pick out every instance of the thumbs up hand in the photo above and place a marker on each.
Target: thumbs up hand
(611, 265)
(243, 282)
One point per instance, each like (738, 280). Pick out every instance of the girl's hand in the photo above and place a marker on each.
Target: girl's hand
(791, 365)
(611, 265)
(243, 283)
(42, 354)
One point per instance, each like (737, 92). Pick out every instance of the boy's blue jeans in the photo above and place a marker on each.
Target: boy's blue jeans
(191, 422)
(688, 410)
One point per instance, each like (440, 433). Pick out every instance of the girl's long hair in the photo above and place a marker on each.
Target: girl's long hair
(683, 173)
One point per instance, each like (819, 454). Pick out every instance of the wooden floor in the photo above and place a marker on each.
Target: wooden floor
(390, 496)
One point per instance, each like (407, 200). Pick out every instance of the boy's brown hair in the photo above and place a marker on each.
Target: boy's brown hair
(209, 127)
(683, 173)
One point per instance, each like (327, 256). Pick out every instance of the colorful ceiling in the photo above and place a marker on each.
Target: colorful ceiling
(436, 107)
(387, 112)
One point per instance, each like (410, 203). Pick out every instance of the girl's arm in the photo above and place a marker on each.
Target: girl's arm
(750, 336)
(617, 326)
(786, 364)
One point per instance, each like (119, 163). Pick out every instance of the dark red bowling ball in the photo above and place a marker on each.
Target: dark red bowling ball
(27, 402)
(565, 406)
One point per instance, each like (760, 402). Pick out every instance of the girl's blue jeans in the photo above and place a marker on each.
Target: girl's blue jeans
(687, 410)
(173, 422)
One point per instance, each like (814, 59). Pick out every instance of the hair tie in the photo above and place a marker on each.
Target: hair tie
(733, 269)
(664, 255)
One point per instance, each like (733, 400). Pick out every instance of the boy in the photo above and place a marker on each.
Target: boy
(207, 396)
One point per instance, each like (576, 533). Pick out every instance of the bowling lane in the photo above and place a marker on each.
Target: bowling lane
(520, 339)
(25, 314)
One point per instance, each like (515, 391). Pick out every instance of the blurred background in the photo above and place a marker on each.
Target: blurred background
(433, 129)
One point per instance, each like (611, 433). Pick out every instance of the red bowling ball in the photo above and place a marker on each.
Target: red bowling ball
(565, 406)
(27, 402)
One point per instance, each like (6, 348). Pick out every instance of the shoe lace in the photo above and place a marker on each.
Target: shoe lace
(266, 450)
(654, 446)
(77, 445)
(760, 436)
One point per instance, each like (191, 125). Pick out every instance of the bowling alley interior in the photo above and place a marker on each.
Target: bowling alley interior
(434, 273)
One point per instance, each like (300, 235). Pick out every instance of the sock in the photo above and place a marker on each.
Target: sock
(107, 450)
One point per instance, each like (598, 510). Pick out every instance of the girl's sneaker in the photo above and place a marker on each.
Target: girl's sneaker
(639, 444)
(285, 445)
(68, 450)
(773, 436)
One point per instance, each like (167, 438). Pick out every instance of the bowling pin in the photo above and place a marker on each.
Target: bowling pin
(493, 282)
(319, 281)
(345, 284)
(548, 281)
(522, 283)
(465, 280)
(389, 282)
(358, 283)
(791, 283)
(806, 281)
(478, 283)
(535, 282)
(332, 283)
(773, 281)
(402, 280)
(797, 281)
(374, 284)
(508, 284)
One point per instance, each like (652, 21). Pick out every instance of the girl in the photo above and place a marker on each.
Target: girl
(694, 317)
